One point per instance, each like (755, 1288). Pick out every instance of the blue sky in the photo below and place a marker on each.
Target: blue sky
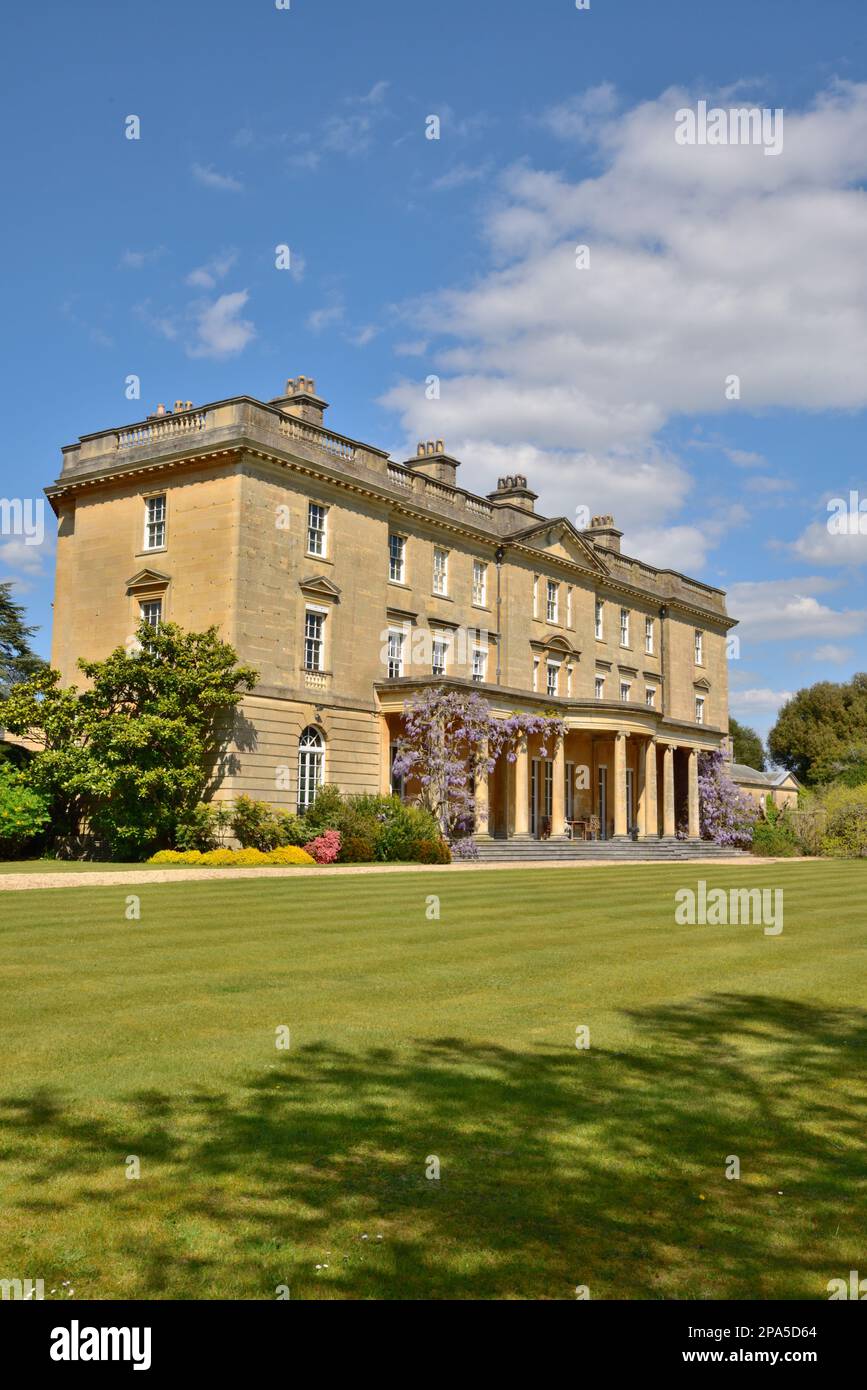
(455, 257)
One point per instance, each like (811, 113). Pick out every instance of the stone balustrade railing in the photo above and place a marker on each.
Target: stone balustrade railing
(166, 427)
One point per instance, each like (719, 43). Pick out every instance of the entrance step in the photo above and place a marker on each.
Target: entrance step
(618, 851)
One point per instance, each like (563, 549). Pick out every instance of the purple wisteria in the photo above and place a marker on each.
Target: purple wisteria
(450, 738)
(726, 814)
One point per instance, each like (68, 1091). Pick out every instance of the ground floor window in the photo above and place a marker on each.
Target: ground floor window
(151, 611)
(311, 763)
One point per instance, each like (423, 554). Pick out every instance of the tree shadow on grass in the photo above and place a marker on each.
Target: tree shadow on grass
(558, 1168)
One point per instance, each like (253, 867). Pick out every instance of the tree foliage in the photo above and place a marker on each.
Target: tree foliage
(133, 754)
(17, 661)
(23, 812)
(747, 747)
(821, 733)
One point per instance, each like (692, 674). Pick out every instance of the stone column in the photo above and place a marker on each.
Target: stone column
(384, 756)
(558, 792)
(651, 812)
(521, 824)
(619, 784)
(483, 829)
(668, 826)
(694, 832)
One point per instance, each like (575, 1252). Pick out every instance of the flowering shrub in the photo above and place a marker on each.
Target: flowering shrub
(325, 848)
(726, 814)
(289, 854)
(236, 858)
(464, 849)
(452, 736)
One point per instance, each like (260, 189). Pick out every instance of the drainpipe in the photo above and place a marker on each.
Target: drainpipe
(499, 553)
(663, 614)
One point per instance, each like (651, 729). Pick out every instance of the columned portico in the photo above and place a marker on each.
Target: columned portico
(650, 818)
(616, 773)
(692, 796)
(668, 814)
(620, 817)
(520, 819)
(483, 828)
(558, 793)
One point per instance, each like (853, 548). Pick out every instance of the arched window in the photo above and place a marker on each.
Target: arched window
(311, 764)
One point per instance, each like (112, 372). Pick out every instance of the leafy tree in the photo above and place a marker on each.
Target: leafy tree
(821, 733)
(17, 661)
(131, 756)
(747, 746)
(449, 738)
(726, 814)
(23, 812)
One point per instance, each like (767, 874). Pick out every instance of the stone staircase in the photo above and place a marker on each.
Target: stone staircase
(617, 851)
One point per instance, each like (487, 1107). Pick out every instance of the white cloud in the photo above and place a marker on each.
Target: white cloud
(778, 609)
(364, 335)
(325, 316)
(831, 651)
(206, 276)
(459, 176)
(748, 701)
(219, 330)
(209, 177)
(579, 117)
(17, 558)
(818, 546)
(704, 261)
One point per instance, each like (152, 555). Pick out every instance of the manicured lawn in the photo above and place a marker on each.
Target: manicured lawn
(455, 1038)
(67, 866)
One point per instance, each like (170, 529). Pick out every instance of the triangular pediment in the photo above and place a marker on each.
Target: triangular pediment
(702, 683)
(148, 579)
(561, 539)
(320, 586)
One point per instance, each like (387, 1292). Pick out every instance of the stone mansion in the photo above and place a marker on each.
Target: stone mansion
(350, 580)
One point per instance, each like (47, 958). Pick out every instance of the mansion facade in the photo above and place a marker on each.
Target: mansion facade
(350, 581)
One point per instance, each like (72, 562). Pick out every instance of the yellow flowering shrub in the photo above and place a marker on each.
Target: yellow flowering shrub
(239, 858)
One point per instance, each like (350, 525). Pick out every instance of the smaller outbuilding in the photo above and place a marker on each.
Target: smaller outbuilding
(781, 786)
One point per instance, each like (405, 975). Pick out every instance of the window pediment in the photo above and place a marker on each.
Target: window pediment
(317, 586)
(701, 684)
(556, 646)
(147, 581)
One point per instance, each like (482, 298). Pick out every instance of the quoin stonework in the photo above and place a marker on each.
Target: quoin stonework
(350, 580)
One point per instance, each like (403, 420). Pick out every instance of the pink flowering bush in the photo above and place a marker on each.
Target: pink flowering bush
(325, 848)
